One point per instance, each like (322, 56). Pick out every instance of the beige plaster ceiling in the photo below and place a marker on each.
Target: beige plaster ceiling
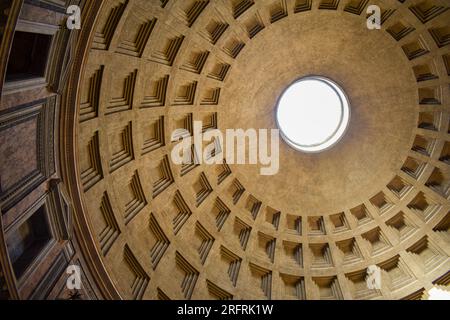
(382, 90)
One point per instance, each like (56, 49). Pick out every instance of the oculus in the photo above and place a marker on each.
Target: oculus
(313, 114)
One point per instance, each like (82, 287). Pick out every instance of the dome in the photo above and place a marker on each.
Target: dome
(357, 119)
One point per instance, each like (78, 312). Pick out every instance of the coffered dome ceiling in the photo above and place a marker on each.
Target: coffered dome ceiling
(379, 197)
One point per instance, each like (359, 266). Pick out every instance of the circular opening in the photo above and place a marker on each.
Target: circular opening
(313, 114)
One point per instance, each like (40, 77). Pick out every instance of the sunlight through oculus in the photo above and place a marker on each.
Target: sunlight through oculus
(313, 114)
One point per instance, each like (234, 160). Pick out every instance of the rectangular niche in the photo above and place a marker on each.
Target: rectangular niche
(358, 286)
(28, 58)
(30, 55)
(339, 221)
(316, 226)
(273, 217)
(399, 187)
(293, 251)
(361, 214)
(294, 287)
(294, 224)
(443, 227)
(27, 241)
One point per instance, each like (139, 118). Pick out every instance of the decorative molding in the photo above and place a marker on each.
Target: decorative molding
(43, 112)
